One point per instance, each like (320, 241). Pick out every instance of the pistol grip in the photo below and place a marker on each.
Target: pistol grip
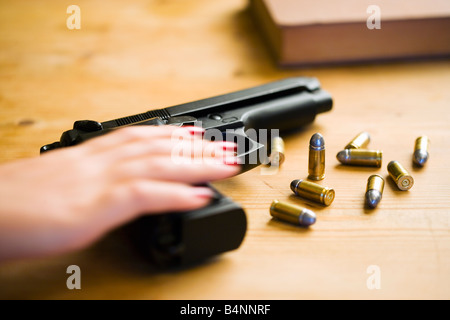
(183, 238)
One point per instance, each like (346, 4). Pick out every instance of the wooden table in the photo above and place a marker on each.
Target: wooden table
(131, 57)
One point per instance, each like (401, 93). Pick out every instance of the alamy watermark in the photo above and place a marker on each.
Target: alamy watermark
(74, 20)
(74, 280)
(374, 19)
(251, 148)
(374, 280)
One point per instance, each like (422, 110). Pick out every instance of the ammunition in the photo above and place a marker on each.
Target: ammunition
(292, 213)
(359, 142)
(374, 190)
(401, 177)
(360, 157)
(313, 191)
(316, 166)
(421, 150)
(277, 152)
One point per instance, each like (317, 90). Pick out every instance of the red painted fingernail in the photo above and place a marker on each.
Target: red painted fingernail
(195, 130)
(228, 145)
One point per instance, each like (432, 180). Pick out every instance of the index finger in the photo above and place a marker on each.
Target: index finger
(133, 133)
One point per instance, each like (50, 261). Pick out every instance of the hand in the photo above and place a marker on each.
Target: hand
(68, 198)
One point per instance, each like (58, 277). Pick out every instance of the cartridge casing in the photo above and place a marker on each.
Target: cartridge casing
(277, 151)
(375, 182)
(360, 157)
(401, 177)
(316, 162)
(313, 191)
(292, 213)
(359, 142)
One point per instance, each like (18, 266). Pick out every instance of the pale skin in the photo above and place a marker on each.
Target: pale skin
(67, 199)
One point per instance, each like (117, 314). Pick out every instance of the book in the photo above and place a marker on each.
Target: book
(317, 32)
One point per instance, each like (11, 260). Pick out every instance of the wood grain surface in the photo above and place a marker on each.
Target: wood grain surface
(129, 57)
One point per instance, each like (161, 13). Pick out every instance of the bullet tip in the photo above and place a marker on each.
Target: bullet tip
(373, 197)
(317, 141)
(307, 218)
(294, 185)
(420, 157)
(342, 156)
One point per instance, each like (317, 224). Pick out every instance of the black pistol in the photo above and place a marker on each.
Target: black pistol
(245, 117)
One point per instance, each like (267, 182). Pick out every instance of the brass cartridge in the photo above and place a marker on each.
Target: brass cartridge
(374, 190)
(277, 152)
(401, 177)
(313, 191)
(316, 164)
(360, 157)
(292, 213)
